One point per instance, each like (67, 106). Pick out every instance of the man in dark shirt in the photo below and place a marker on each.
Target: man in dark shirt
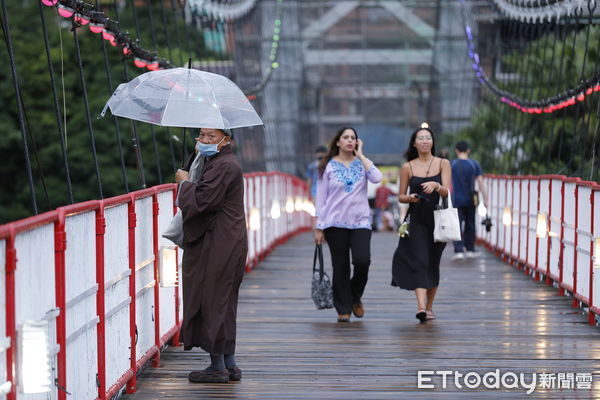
(465, 172)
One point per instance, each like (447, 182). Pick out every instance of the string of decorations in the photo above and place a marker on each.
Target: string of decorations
(227, 12)
(273, 56)
(83, 14)
(549, 105)
(532, 11)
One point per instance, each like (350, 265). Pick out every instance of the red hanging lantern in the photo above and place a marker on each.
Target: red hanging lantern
(152, 66)
(107, 35)
(81, 19)
(138, 62)
(49, 3)
(65, 12)
(96, 28)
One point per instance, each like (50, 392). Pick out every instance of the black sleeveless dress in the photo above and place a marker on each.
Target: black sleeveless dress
(416, 262)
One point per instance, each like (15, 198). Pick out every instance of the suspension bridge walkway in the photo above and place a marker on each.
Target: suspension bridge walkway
(490, 316)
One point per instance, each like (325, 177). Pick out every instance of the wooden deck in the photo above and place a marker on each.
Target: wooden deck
(490, 316)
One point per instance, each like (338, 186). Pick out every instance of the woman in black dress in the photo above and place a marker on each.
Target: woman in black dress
(416, 263)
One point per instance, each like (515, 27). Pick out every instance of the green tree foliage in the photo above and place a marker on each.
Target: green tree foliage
(43, 134)
(566, 142)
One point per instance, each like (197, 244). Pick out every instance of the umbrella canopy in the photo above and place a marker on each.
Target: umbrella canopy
(182, 97)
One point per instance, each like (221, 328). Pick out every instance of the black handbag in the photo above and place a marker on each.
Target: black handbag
(321, 291)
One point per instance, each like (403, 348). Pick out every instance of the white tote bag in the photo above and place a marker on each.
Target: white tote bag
(446, 223)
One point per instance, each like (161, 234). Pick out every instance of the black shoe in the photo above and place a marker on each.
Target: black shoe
(209, 376)
(235, 374)
(421, 315)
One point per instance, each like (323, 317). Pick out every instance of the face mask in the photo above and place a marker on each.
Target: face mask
(208, 150)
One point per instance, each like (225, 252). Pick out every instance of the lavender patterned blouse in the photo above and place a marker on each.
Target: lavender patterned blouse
(342, 195)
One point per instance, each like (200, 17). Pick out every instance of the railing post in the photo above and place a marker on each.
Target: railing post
(575, 302)
(561, 289)
(155, 210)
(60, 246)
(11, 325)
(549, 238)
(100, 301)
(175, 340)
(591, 314)
(537, 239)
(132, 383)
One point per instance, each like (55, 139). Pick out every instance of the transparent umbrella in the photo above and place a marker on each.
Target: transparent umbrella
(182, 97)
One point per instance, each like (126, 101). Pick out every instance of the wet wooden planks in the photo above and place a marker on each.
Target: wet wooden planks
(490, 316)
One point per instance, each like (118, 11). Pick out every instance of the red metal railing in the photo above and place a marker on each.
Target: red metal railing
(557, 237)
(267, 195)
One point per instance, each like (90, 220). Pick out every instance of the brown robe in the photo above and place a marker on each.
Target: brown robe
(214, 257)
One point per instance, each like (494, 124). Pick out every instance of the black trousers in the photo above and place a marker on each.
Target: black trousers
(348, 291)
(466, 215)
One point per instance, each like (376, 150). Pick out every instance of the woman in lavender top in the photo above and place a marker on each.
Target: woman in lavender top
(344, 218)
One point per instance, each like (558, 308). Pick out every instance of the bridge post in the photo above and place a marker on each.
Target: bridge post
(561, 289)
(175, 339)
(132, 383)
(60, 246)
(575, 302)
(11, 325)
(591, 314)
(155, 209)
(100, 301)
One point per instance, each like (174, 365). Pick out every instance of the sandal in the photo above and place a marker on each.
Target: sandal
(422, 315)
(430, 315)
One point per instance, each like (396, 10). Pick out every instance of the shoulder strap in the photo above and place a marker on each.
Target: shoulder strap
(319, 256)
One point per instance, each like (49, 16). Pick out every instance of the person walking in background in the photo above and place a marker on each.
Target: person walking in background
(465, 172)
(343, 218)
(312, 173)
(416, 262)
(382, 203)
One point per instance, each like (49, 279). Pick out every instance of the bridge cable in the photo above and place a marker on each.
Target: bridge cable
(139, 159)
(13, 67)
(564, 120)
(152, 130)
(87, 108)
(115, 119)
(61, 132)
(165, 25)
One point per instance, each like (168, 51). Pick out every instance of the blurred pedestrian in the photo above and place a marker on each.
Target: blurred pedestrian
(312, 173)
(344, 218)
(465, 172)
(416, 262)
(382, 202)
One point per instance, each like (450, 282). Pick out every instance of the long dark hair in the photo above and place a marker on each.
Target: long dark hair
(334, 150)
(411, 152)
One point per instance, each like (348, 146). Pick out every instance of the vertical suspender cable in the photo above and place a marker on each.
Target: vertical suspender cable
(562, 132)
(176, 23)
(563, 32)
(115, 119)
(136, 145)
(87, 110)
(152, 130)
(168, 43)
(185, 30)
(63, 147)
(165, 24)
(13, 68)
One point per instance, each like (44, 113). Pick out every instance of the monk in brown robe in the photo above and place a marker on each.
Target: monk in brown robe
(214, 257)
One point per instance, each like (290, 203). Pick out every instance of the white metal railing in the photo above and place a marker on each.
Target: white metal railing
(548, 225)
(84, 279)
